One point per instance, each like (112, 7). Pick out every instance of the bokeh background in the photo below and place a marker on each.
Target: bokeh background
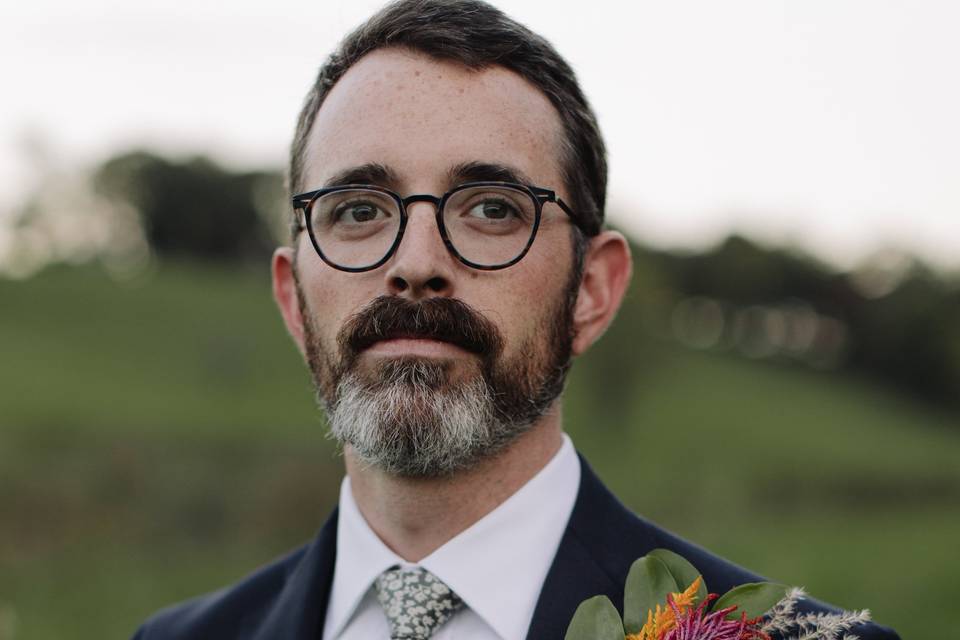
(782, 386)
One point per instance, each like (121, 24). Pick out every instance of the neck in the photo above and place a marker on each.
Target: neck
(416, 516)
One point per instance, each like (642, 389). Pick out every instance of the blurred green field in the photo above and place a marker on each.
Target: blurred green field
(158, 438)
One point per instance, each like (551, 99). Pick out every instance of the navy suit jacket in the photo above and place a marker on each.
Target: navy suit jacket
(287, 599)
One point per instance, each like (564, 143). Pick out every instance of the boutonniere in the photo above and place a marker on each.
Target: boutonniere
(665, 598)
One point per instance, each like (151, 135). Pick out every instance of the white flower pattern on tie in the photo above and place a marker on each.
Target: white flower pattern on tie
(416, 602)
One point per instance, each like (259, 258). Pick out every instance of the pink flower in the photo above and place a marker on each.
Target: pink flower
(694, 625)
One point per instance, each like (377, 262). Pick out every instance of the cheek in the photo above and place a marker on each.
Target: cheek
(527, 302)
(548, 264)
(331, 297)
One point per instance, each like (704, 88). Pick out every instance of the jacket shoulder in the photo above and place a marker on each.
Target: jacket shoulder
(233, 612)
(615, 537)
(604, 523)
(722, 575)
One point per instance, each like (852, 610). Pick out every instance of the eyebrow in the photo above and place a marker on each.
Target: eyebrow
(370, 173)
(381, 175)
(486, 172)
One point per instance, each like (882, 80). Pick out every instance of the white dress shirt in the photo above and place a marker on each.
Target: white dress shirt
(497, 565)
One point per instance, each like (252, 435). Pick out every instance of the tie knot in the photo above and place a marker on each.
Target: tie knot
(416, 602)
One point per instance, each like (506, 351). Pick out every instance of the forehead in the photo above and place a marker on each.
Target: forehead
(421, 117)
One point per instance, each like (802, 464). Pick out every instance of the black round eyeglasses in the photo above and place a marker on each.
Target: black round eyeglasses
(485, 225)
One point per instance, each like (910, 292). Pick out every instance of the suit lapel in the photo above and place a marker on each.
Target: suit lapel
(301, 606)
(573, 577)
(602, 539)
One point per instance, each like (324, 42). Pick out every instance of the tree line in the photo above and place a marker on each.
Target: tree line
(897, 321)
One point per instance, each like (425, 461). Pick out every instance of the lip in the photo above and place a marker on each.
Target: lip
(415, 347)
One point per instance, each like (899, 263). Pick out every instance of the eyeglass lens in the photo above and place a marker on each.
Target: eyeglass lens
(486, 225)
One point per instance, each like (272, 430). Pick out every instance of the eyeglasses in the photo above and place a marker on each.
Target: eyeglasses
(485, 225)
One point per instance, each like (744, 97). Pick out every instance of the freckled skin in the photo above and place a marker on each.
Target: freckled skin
(421, 117)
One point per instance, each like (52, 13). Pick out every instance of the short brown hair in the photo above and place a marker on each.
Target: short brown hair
(476, 35)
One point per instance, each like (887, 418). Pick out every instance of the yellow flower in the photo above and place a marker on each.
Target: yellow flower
(664, 619)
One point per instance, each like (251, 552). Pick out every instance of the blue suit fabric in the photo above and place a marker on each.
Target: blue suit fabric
(287, 599)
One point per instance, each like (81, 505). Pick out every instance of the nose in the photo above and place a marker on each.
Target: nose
(421, 267)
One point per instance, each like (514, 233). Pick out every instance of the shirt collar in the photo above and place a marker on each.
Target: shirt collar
(497, 565)
(361, 557)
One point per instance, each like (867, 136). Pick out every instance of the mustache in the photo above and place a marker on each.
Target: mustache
(446, 319)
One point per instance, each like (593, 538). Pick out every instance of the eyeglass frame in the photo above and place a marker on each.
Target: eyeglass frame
(303, 202)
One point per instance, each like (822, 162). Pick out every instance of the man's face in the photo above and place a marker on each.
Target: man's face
(468, 358)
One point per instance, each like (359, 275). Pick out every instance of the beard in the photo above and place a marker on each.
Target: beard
(418, 417)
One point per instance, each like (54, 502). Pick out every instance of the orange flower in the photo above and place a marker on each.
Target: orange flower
(664, 618)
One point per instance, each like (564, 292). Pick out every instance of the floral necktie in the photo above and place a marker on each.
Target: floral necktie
(416, 602)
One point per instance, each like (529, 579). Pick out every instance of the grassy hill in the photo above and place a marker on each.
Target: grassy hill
(158, 438)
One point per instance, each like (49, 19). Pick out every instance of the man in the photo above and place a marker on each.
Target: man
(448, 260)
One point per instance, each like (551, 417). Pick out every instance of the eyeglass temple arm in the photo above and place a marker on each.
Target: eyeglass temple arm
(546, 195)
(300, 203)
(567, 210)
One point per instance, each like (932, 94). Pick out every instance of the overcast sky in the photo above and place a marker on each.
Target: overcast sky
(829, 124)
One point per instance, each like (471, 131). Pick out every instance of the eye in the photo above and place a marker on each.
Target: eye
(493, 209)
(358, 212)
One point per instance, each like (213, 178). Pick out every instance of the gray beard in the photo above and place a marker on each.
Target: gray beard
(412, 422)
(407, 418)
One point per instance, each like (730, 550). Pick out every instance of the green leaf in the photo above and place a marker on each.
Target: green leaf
(753, 598)
(648, 584)
(681, 569)
(595, 619)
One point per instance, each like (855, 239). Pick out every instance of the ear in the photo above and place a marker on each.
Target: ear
(285, 292)
(606, 275)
